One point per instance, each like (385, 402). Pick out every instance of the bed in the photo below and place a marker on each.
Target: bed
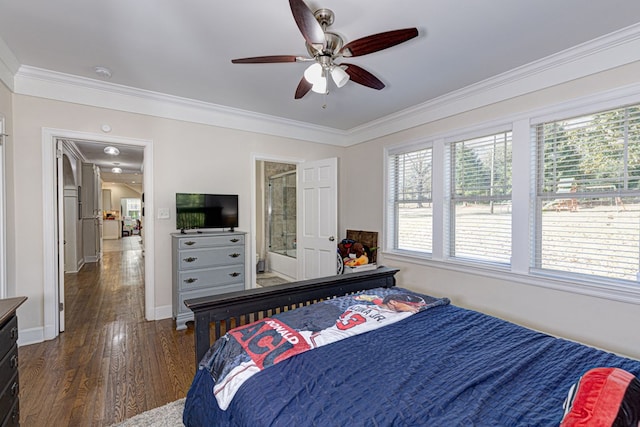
(436, 364)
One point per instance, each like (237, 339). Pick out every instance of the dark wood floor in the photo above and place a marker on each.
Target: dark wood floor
(110, 363)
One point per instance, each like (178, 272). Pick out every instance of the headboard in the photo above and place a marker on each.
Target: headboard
(237, 308)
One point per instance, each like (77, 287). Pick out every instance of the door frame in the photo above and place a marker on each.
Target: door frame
(51, 233)
(255, 157)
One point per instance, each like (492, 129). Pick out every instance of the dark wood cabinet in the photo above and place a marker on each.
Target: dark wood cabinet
(9, 384)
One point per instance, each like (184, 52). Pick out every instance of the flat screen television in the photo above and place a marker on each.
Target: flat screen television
(196, 211)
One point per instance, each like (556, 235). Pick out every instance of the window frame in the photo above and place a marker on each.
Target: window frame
(542, 197)
(520, 271)
(392, 202)
(453, 198)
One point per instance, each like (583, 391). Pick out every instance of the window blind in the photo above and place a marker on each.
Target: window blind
(587, 211)
(480, 199)
(409, 200)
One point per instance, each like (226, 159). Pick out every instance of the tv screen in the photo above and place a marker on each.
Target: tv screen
(206, 211)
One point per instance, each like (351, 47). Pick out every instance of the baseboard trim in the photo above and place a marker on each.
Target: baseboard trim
(164, 312)
(30, 336)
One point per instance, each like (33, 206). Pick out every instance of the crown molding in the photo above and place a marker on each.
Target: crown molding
(9, 65)
(49, 84)
(610, 51)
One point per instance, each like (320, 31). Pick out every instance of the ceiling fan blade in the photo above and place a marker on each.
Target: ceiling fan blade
(361, 76)
(308, 24)
(376, 42)
(266, 59)
(303, 87)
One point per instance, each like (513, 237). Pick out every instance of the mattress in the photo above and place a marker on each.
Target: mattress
(445, 366)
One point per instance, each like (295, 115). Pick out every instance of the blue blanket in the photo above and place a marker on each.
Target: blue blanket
(446, 366)
(248, 349)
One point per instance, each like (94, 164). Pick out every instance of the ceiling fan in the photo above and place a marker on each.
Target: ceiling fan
(325, 48)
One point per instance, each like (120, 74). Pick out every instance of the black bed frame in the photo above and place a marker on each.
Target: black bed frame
(247, 306)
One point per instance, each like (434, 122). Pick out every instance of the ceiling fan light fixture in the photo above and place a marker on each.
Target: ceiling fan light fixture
(339, 76)
(320, 86)
(313, 74)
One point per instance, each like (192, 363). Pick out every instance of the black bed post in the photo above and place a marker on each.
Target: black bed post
(201, 335)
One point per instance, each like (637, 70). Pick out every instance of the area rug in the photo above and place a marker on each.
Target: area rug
(169, 415)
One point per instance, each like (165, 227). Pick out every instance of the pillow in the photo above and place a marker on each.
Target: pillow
(603, 397)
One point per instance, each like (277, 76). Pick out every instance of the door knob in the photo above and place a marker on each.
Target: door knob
(331, 239)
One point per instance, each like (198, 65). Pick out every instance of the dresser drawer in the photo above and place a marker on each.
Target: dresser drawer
(210, 277)
(231, 287)
(13, 416)
(8, 336)
(211, 257)
(9, 366)
(9, 392)
(211, 241)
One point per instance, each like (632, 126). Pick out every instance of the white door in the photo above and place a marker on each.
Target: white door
(317, 218)
(60, 231)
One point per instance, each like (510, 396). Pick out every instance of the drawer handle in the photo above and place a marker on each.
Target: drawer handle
(234, 274)
(14, 389)
(190, 259)
(234, 240)
(190, 280)
(190, 243)
(14, 361)
(234, 255)
(14, 333)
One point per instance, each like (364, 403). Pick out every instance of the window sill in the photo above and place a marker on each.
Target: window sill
(625, 292)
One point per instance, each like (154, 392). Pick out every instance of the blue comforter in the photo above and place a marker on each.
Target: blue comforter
(446, 366)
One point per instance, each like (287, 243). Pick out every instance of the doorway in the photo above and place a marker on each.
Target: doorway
(53, 215)
(279, 216)
(264, 166)
(316, 217)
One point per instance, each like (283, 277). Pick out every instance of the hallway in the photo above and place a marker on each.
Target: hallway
(110, 363)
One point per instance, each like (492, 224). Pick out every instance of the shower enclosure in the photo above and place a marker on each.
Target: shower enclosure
(282, 223)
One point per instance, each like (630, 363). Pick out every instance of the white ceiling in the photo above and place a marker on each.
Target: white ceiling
(185, 48)
(130, 160)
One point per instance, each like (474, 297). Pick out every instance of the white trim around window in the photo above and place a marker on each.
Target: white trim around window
(523, 197)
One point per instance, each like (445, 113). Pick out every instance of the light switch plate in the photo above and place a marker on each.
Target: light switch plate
(163, 213)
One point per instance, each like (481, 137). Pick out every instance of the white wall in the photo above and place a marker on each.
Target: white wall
(202, 158)
(121, 191)
(187, 157)
(600, 322)
(6, 110)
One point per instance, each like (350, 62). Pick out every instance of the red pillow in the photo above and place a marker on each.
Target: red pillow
(603, 397)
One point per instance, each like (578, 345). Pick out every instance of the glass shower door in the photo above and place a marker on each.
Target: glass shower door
(282, 214)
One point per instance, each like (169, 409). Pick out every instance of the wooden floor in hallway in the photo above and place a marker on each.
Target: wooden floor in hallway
(110, 363)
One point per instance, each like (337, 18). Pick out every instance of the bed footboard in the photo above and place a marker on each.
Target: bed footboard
(247, 306)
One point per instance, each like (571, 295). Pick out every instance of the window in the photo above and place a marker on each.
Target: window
(587, 210)
(480, 199)
(409, 200)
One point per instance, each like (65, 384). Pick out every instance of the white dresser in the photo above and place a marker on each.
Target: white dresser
(205, 264)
